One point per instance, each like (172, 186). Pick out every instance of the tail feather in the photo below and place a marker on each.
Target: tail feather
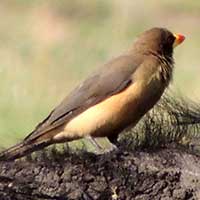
(22, 149)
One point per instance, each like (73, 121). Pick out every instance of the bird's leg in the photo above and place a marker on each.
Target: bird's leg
(100, 149)
(113, 140)
(97, 146)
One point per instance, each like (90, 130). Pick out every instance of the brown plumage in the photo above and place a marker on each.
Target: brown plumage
(115, 96)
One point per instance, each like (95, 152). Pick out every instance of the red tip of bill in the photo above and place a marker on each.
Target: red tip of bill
(180, 38)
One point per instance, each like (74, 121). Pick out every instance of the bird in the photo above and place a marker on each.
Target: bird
(115, 96)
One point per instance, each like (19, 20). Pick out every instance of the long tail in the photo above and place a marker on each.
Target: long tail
(22, 149)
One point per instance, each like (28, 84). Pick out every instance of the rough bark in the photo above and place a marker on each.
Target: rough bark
(163, 174)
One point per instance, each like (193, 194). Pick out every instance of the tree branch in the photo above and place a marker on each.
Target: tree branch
(164, 174)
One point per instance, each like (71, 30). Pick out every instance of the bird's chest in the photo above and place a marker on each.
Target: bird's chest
(138, 99)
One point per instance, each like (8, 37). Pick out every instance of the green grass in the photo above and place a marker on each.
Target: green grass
(47, 47)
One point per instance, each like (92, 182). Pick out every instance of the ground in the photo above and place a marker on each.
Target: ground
(168, 173)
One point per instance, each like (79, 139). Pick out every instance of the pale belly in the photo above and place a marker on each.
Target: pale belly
(112, 114)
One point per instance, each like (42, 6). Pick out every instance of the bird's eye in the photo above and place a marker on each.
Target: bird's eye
(170, 39)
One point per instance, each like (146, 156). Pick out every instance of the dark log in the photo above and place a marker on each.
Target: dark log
(163, 174)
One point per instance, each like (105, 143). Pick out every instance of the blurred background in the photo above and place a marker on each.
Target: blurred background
(47, 47)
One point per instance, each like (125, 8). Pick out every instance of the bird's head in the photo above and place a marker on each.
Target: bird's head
(158, 40)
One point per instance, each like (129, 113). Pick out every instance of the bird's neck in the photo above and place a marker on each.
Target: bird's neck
(165, 68)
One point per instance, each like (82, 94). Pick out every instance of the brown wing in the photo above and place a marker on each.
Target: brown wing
(108, 80)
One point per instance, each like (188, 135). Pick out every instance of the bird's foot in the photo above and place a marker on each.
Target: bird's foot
(99, 149)
(106, 150)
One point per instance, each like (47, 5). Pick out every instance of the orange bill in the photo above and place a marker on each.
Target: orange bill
(179, 39)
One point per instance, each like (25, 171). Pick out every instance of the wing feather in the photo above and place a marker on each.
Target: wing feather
(108, 80)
